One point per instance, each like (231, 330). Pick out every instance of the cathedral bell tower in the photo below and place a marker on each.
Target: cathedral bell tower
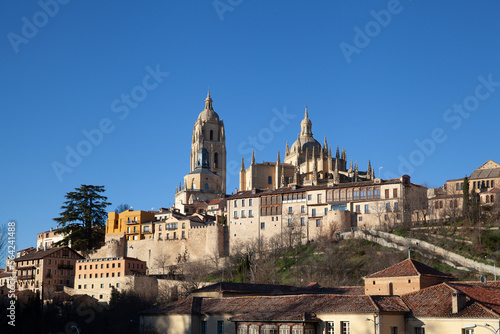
(208, 131)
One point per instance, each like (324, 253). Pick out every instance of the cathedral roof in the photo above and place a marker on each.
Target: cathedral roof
(305, 139)
(208, 114)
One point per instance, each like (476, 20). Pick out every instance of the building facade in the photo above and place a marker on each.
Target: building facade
(97, 277)
(306, 162)
(47, 271)
(207, 178)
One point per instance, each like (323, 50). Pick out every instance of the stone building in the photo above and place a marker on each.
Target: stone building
(96, 277)
(207, 178)
(447, 202)
(306, 163)
(321, 210)
(48, 270)
(424, 300)
(47, 239)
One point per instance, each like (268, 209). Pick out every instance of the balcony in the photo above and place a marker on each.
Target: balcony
(65, 266)
(23, 277)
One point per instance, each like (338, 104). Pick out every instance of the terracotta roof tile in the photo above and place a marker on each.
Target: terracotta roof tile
(408, 267)
(436, 301)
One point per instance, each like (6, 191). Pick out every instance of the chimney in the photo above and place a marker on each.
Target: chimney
(457, 301)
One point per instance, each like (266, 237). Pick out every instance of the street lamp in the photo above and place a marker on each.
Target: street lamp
(487, 326)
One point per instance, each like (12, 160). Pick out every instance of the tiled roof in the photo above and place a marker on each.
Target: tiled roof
(488, 294)
(42, 254)
(274, 290)
(294, 307)
(408, 267)
(436, 302)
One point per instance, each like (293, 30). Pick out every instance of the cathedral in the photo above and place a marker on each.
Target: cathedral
(306, 163)
(207, 179)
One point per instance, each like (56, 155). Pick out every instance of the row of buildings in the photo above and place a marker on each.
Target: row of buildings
(406, 298)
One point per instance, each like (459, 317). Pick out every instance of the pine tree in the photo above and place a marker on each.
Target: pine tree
(83, 218)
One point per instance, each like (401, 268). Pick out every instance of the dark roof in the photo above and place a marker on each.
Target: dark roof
(436, 301)
(408, 267)
(42, 254)
(274, 308)
(275, 290)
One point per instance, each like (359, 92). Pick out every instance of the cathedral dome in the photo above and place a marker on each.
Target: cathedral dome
(208, 114)
(305, 139)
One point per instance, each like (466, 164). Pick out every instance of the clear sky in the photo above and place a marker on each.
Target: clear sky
(107, 92)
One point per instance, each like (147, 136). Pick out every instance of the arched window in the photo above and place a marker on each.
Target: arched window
(269, 180)
(216, 160)
(211, 134)
(492, 199)
(390, 289)
(206, 186)
(487, 199)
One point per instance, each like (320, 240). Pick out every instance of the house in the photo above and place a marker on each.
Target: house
(46, 271)
(430, 303)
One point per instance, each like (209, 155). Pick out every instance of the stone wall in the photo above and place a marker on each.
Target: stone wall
(423, 247)
(201, 243)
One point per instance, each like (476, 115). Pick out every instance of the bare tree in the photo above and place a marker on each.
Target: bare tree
(161, 262)
(380, 210)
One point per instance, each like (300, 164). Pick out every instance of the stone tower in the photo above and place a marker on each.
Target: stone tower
(208, 131)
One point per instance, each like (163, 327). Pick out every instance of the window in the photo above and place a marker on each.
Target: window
(117, 285)
(309, 197)
(313, 212)
(262, 226)
(146, 229)
(360, 218)
(467, 331)
(250, 213)
(250, 202)
(269, 329)
(290, 209)
(242, 329)
(183, 236)
(269, 180)
(387, 193)
(159, 236)
(358, 209)
(302, 209)
(290, 222)
(236, 203)
(102, 286)
(330, 328)
(396, 207)
(395, 192)
(243, 214)
(159, 227)
(394, 330)
(302, 221)
(253, 329)
(220, 326)
(235, 214)
(419, 330)
(345, 327)
(319, 198)
(242, 202)
(318, 223)
(367, 208)
(175, 235)
(203, 326)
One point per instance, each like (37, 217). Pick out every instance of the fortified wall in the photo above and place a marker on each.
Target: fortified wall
(201, 243)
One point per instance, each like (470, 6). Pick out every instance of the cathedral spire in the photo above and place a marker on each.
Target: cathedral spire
(208, 102)
(253, 157)
(278, 160)
(242, 164)
(306, 115)
(338, 154)
(325, 145)
(287, 150)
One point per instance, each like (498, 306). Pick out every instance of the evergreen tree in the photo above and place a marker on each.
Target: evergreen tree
(466, 199)
(83, 218)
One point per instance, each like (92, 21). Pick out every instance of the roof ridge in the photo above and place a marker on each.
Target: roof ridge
(373, 303)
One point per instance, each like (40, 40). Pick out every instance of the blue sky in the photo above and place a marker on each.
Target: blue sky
(413, 86)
